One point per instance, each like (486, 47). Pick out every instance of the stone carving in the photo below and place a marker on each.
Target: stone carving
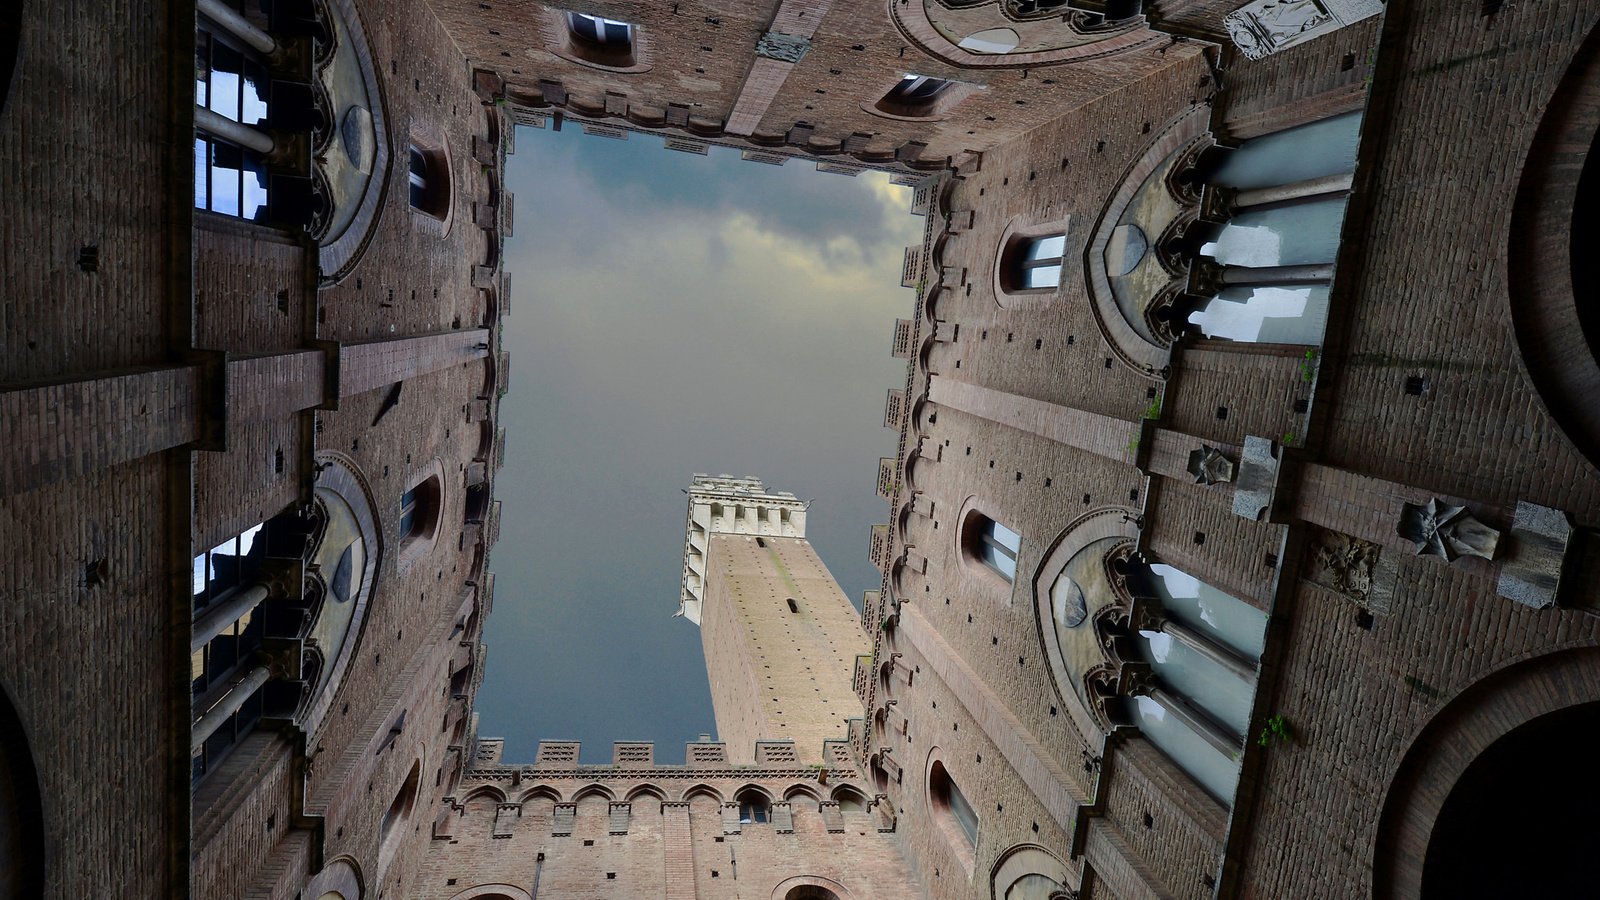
(1209, 466)
(787, 48)
(1439, 529)
(1345, 564)
(1264, 27)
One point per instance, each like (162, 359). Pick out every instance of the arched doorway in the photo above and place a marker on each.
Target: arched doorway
(1521, 819)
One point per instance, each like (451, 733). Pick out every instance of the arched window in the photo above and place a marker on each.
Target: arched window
(390, 833)
(419, 510)
(428, 179)
(956, 817)
(992, 544)
(914, 96)
(601, 41)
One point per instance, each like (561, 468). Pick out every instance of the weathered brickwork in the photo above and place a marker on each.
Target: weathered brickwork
(171, 378)
(664, 832)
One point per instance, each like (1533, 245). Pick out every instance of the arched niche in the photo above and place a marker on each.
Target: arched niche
(1551, 272)
(340, 878)
(947, 32)
(810, 887)
(1074, 567)
(1028, 872)
(1128, 306)
(21, 811)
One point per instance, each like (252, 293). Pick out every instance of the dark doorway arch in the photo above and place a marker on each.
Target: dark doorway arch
(21, 815)
(10, 48)
(1521, 820)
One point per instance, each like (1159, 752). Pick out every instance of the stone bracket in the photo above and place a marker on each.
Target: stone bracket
(1257, 480)
(1531, 572)
(213, 405)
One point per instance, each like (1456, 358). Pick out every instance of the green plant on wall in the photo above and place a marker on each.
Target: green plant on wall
(1308, 366)
(1153, 411)
(1277, 730)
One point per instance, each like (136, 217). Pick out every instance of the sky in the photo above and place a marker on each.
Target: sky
(670, 314)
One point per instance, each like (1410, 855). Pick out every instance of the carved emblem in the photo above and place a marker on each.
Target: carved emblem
(787, 48)
(1209, 466)
(1439, 529)
(1345, 564)
(1267, 26)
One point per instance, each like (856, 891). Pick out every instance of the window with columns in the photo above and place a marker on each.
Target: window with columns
(1273, 210)
(232, 91)
(1146, 646)
(276, 608)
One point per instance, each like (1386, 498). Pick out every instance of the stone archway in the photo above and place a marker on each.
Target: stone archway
(1548, 267)
(1521, 731)
(1521, 818)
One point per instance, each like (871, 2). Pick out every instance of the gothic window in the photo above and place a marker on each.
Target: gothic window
(993, 544)
(753, 809)
(226, 566)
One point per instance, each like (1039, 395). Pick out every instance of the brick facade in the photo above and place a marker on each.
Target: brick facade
(173, 377)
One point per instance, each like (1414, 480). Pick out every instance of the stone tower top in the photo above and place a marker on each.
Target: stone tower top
(723, 504)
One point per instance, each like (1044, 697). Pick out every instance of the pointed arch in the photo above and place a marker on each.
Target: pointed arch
(646, 790)
(488, 790)
(750, 787)
(544, 791)
(802, 790)
(702, 790)
(594, 789)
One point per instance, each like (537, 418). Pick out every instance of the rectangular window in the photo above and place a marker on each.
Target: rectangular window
(229, 180)
(234, 85)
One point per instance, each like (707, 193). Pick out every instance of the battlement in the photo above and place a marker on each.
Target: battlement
(724, 504)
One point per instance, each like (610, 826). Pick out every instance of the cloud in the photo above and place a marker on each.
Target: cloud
(672, 314)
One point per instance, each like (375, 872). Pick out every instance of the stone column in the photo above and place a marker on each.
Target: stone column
(223, 614)
(237, 25)
(237, 694)
(1224, 743)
